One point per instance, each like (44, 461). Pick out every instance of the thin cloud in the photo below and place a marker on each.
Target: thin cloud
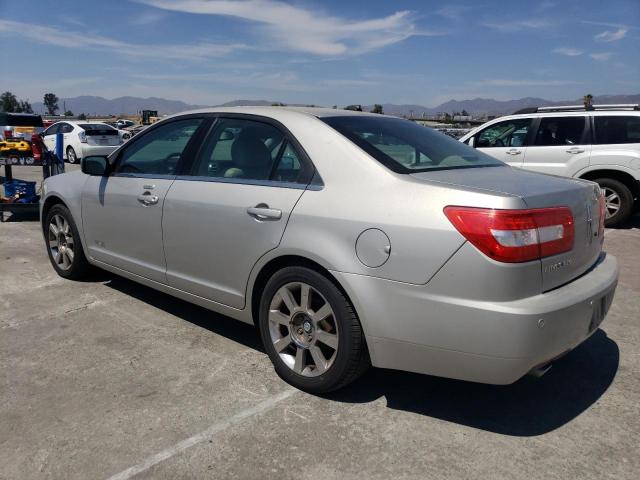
(601, 56)
(569, 52)
(147, 18)
(509, 26)
(611, 36)
(505, 82)
(69, 39)
(453, 12)
(292, 27)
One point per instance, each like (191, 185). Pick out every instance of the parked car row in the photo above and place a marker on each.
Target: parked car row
(348, 239)
(601, 144)
(82, 139)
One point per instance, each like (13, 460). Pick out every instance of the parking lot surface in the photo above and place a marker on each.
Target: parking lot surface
(109, 379)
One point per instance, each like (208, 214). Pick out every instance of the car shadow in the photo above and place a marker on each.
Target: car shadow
(529, 407)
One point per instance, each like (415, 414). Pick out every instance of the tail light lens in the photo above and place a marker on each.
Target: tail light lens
(83, 137)
(515, 236)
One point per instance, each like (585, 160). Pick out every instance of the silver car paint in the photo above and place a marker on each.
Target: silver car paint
(424, 307)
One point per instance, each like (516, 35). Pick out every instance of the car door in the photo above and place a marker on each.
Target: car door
(231, 207)
(505, 140)
(67, 138)
(561, 145)
(122, 212)
(49, 136)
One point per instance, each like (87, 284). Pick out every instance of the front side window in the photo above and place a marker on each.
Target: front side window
(247, 150)
(406, 147)
(510, 133)
(52, 130)
(617, 129)
(65, 128)
(562, 131)
(159, 151)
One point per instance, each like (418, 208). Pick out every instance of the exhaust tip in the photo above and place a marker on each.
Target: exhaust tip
(540, 370)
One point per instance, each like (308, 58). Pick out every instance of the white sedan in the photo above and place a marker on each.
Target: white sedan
(82, 139)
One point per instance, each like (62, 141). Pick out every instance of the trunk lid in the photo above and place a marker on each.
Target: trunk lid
(540, 191)
(98, 134)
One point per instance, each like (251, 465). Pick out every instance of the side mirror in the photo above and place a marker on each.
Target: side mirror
(95, 165)
(471, 142)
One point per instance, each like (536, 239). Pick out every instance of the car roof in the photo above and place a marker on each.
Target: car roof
(279, 112)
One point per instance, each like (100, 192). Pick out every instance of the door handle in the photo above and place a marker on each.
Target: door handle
(575, 150)
(263, 212)
(514, 151)
(147, 199)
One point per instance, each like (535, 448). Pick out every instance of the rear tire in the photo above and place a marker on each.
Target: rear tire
(63, 244)
(317, 345)
(71, 155)
(619, 201)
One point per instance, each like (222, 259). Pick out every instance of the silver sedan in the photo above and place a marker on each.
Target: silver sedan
(349, 239)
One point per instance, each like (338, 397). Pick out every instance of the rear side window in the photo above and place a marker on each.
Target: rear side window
(510, 133)
(248, 150)
(560, 131)
(406, 147)
(617, 129)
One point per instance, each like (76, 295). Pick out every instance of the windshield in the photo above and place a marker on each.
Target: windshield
(407, 147)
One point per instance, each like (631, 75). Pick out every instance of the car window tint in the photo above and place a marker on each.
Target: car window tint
(560, 131)
(52, 130)
(66, 128)
(617, 129)
(289, 168)
(510, 133)
(237, 148)
(407, 147)
(159, 151)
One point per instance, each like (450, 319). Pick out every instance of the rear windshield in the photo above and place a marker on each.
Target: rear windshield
(407, 147)
(98, 129)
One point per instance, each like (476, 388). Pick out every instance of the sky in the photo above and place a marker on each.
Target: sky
(332, 52)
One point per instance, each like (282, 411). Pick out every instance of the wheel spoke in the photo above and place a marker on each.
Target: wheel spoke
(53, 229)
(53, 244)
(281, 344)
(298, 366)
(322, 313)
(59, 222)
(318, 358)
(329, 339)
(305, 296)
(69, 254)
(287, 298)
(58, 257)
(279, 318)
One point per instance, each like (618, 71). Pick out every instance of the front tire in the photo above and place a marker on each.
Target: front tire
(63, 244)
(618, 199)
(71, 155)
(311, 332)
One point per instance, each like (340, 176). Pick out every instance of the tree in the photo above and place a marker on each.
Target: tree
(465, 113)
(82, 116)
(25, 106)
(51, 103)
(9, 102)
(278, 104)
(377, 108)
(588, 101)
(68, 113)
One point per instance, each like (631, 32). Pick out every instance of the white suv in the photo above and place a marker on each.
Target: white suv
(82, 139)
(600, 144)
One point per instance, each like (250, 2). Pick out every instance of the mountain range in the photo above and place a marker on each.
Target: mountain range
(93, 105)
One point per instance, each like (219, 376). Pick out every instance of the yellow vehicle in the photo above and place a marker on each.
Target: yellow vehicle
(13, 147)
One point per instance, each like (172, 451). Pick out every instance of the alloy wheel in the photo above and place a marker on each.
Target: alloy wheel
(613, 202)
(303, 329)
(71, 155)
(61, 242)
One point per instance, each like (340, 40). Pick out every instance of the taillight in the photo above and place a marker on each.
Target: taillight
(602, 204)
(83, 137)
(514, 236)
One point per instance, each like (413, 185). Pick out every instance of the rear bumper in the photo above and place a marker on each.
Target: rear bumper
(409, 328)
(88, 150)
